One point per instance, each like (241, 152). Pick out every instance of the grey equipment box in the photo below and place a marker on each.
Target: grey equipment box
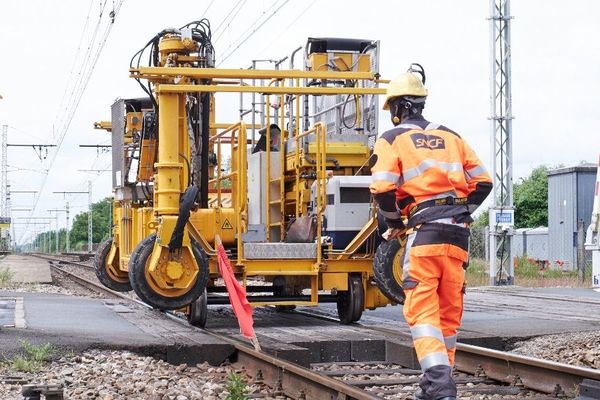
(348, 207)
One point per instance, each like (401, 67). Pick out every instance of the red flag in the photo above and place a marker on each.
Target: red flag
(237, 296)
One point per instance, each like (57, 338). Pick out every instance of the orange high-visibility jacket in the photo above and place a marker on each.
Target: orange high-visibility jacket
(426, 171)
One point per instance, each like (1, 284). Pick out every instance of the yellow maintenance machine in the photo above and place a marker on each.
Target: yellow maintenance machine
(285, 188)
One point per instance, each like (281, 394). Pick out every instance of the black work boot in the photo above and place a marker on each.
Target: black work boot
(420, 395)
(437, 384)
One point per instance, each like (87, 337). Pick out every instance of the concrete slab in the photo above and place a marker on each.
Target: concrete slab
(27, 269)
(367, 350)
(323, 340)
(402, 353)
(494, 316)
(7, 311)
(78, 324)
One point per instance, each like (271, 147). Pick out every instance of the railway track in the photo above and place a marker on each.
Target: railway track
(481, 372)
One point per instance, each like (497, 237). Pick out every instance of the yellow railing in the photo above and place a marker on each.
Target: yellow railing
(280, 179)
(235, 136)
(321, 177)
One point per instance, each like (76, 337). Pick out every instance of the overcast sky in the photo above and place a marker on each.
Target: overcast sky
(556, 72)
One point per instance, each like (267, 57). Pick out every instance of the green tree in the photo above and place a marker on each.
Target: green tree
(101, 220)
(531, 199)
(101, 217)
(482, 220)
(48, 238)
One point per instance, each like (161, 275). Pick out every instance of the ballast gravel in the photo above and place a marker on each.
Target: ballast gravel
(112, 375)
(579, 348)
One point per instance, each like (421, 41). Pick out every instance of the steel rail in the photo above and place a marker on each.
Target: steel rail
(566, 298)
(58, 260)
(87, 283)
(534, 373)
(293, 380)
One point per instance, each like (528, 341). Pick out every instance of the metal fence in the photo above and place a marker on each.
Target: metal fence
(478, 245)
(479, 252)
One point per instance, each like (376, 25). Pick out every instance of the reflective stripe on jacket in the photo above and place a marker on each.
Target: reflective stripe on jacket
(419, 161)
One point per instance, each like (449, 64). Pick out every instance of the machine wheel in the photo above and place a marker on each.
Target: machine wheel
(143, 287)
(199, 311)
(387, 270)
(351, 301)
(106, 276)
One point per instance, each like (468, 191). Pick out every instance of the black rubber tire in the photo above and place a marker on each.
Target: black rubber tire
(350, 303)
(137, 277)
(383, 271)
(199, 311)
(100, 268)
(148, 241)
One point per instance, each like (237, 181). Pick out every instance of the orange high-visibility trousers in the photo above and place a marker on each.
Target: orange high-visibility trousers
(433, 269)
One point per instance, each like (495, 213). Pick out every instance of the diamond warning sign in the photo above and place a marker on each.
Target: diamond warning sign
(226, 225)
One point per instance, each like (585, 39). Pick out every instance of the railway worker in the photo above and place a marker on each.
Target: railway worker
(428, 174)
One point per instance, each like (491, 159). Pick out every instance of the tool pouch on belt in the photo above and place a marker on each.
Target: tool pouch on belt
(447, 207)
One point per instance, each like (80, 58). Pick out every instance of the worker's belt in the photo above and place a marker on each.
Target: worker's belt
(446, 201)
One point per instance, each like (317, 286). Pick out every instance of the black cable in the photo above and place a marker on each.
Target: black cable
(187, 162)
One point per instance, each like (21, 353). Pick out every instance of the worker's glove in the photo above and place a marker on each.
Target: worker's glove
(396, 228)
(393, 233)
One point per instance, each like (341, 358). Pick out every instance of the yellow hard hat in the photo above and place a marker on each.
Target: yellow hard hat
(406, 84)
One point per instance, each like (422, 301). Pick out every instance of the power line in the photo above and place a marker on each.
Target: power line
(26, 133)
(226, 17)
(83, 31)
(250, 27)
(84, 64)
(288, 26)
(253, 32)
(203, 15)
(85, 73)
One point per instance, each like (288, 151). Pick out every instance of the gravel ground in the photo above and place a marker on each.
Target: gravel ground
(581, 348)
(37, 288)
(112, 375)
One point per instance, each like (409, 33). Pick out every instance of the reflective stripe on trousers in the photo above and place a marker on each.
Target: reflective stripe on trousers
(433, 280)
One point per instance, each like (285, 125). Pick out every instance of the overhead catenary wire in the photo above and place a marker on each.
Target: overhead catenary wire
(288, 26)
(252, 25)
(85, 72)
(75, 58)
(26, 133)
(203, 15)
(75, 87)
(233, 9)
(253, 32)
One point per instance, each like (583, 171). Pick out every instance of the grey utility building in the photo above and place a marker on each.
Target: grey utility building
(570, 198)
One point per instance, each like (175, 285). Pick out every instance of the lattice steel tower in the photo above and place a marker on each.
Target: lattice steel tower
(4, 184)
(502, 212)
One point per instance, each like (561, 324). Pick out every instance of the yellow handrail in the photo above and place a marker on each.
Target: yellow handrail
(242, 215)
(321, 177)
(297, 155)
(282, 140)
(268, 168)
(239, 172)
